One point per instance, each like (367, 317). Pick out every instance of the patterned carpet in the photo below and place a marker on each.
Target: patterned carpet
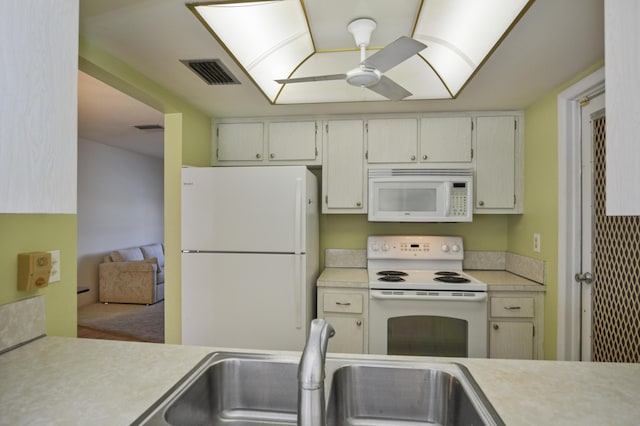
(139, 321)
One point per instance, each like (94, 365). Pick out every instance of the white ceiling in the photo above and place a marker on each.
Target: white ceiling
(554, 41)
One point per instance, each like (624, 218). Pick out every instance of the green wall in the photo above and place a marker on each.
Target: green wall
(541, 201)
(486, 232)
(22, 233)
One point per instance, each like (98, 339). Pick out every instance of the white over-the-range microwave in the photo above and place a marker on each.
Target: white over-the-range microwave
(420, 195)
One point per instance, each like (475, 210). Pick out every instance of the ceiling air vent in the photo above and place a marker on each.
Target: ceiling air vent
(149, 127)
(212, 71)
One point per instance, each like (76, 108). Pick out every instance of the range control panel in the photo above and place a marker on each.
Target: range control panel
(425, 247)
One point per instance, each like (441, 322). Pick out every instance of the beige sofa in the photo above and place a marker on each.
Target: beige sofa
(133, 275)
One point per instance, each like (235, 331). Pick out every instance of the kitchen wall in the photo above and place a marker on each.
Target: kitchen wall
(21, 233)
(120, 204)
(541, 200)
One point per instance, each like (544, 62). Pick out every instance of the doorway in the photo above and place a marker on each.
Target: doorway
(598, 255)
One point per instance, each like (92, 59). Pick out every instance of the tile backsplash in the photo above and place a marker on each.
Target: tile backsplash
(21, 321)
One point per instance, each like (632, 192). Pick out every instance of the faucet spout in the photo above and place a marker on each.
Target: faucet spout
(311, 403)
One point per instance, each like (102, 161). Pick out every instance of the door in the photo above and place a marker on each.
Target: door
(495, 162)
(244, 300)
(343, 183)
(244, 209)
(611, 306)
(590, 111)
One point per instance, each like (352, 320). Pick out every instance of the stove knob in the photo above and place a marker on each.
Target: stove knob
(455, 248)
(375, 247)
(385, 247)
(445, 248)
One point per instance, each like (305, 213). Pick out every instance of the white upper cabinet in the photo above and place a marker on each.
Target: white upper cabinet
(498, 183)
(445, 139)
(293, 141)
(265, 142)
(392, 140)
(38, 106)
(344, 184)
(240, 141)
(622, 85)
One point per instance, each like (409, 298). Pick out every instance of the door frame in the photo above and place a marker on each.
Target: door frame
(570, 210)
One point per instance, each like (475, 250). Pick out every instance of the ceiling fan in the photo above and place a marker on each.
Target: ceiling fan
(370, 71)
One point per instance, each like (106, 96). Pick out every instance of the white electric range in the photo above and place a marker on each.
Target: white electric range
(420, 300)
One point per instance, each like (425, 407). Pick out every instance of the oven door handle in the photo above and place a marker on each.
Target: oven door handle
(477, 297)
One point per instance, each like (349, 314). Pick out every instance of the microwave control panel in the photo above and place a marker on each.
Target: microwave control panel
(459, 199)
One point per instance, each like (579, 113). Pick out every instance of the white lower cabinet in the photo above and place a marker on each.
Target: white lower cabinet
(515, 325)
(346, 309)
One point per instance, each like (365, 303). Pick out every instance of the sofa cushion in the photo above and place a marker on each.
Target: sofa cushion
(125, 255)
(153, 250)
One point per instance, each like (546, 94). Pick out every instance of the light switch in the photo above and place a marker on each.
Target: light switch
(34, 270)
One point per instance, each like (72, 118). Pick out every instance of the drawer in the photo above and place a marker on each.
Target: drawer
(342, 302)
(514, 307)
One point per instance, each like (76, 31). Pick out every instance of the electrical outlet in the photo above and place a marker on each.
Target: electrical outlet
(536, 243)
(55, 266)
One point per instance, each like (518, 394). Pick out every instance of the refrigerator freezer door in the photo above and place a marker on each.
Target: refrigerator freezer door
(245, 209)
(251, 301)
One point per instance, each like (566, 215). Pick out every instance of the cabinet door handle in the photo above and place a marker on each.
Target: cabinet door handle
(358, 204)
(413, 158)
(258, 155)
(358, 323)
(343, 303)
(425, 156)
(481, 203)
(496, 326)
(272, 155)
(512, 308)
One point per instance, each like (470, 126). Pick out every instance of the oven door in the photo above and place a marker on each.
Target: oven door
(428, 323)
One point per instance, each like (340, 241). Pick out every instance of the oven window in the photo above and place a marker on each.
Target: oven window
(407, 199)
(427, 336)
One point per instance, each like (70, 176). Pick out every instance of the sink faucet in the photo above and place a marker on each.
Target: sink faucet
(311, 410)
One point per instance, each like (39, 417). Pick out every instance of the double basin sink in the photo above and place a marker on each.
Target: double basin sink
(257, 389)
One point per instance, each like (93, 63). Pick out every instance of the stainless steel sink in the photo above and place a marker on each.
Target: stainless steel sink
(441, 394)
(258, 389)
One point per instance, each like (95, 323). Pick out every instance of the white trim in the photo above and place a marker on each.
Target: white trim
(569, 211)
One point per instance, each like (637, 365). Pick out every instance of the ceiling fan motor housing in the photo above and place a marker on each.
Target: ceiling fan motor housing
(363, 77)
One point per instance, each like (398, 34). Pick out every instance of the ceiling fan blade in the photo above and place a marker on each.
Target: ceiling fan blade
(394, 53)
(390, 89)
(313, 78)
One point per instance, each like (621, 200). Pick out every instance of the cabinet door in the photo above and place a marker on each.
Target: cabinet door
(343, 179)
(511, 340)
(240, 141)
(38, 106)
(445, 139)
(349, 337)
(293, 141)
(393, 140)
(495, 162)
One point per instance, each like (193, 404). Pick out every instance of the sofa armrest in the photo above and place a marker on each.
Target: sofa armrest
(128, 282)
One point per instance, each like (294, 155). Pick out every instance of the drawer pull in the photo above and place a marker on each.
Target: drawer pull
(343, 303)
(512, 308)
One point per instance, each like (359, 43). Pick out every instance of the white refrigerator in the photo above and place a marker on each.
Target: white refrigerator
(249, 256)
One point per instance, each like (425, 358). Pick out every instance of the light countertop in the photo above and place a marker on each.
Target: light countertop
(66, 381)
(496, 280)
(344, 277)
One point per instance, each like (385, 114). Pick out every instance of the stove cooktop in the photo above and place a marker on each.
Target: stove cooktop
(423, 280)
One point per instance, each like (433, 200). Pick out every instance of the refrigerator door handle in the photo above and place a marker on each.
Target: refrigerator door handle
(297, 232)
(298, 294)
